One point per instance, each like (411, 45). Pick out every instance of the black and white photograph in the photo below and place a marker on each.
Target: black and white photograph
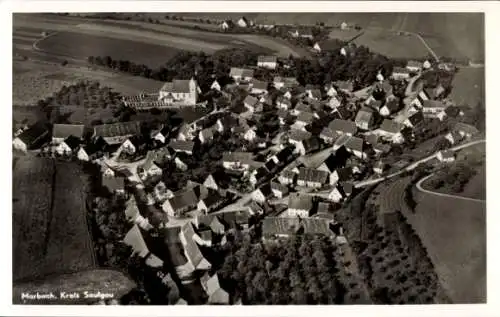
(248, 158)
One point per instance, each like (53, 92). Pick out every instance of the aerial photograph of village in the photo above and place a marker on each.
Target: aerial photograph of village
(248, 158)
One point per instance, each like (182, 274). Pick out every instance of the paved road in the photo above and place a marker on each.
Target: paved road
(420, 188)
(414, 165)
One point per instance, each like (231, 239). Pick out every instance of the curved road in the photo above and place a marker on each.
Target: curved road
(414, 165)
(420, 188)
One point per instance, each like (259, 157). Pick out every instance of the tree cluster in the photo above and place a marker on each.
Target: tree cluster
(454, 177)
(300, 270)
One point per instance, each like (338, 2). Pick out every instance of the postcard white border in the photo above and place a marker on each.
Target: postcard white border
(492, 24)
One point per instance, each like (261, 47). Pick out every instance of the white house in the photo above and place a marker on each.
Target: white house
(267, 61)
(215, 85)
(446, 156)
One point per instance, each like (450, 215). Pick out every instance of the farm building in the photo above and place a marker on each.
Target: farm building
(116, 133)
(32, 137)
(93, 150)
(180, 92)
(241, 75)
(258, 87)
(399, 73)
(181, 203)
(267, 61)
(237, 160)
(310, 177)
(285, 82)
(284, 227)
(364, 119)
(300, 205)
(465, 130)
(62, 131)
(182, 146)
(68, 146)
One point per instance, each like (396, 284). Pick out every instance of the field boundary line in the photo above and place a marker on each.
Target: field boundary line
(35, 44)
(420, 188)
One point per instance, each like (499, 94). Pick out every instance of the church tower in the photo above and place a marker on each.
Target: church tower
(193, 91)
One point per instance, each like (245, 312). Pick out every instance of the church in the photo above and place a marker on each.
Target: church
(180, 92)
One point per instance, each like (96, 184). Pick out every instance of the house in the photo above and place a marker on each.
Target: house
(226, 25)
(400, 73)
(258, 87)
(131, 145)
(334, 161)
(216, 295)
(68, 146)
(453, 137)
(267, 61)
(287, 177)
(237, 160)
(241, 74)
(32, 137)
(182, 146)
(114, 184)
(116, 133)
(285, 82)
(206, 135)
(60, 132)
(215, 86)
(314, 94)
(250, 134)
(390, 130)
(333, 102)
(309, 177)
(328, 135)
(93, 150)
(330, 90)
(390, 106)
(446, 156)
(431, 108)
(381, 148)
(341, 175)
(243, 22)
(161, 134)
(346, 86)
(283, 103)
(304, 119)
(210, 203)
(226, 123)
(355, 146)
(302, 33)
(340, 127)
(328, 45)
(149, 167)
(279, 190)
(135, 240)
(251, 103)
(297, 136)
(161, 192)
(258, 175)
(336, 194)
(286, 226)
(300, 205)
(262, 194)
(307, 146)
(414, 119)
(182, 202)
(379, 167)
(414, 66)
(465, 130)
(283, 156)
(341, 141)
(180, 91)
(364, 119)
(446, 66)
(188, 238)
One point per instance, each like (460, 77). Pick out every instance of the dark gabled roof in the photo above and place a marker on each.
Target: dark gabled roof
(301, 202)
(391, 126)
(336, 160)
(330, 45)
(306, 117)
(34, 133)
(243, 157)
(416, 117)
(328, 133)
(392, 104)
(266, 190)
(312, 175)
(178, 145)
(344, 174)
(221, 179)
(344, 126)
(323, 207)
(283, 99)
(285, 154)
(267, 59)
(270, 165)
(347, 187)
(288, 174)
(113, 183)
(117, 129)
(213, 199)
(65, 130)
(355, 144)
(183, 199)
(258, 84)
(72, 141)
(241, 72)
(280, 187)
(251, 101)
(311, 144)
(413, 63)
(97, 144)
(299, 135)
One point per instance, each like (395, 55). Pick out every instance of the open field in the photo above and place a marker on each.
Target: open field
(36, 80)
(105, 281)
(468, 86)
(50, 233)
(454, 233)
